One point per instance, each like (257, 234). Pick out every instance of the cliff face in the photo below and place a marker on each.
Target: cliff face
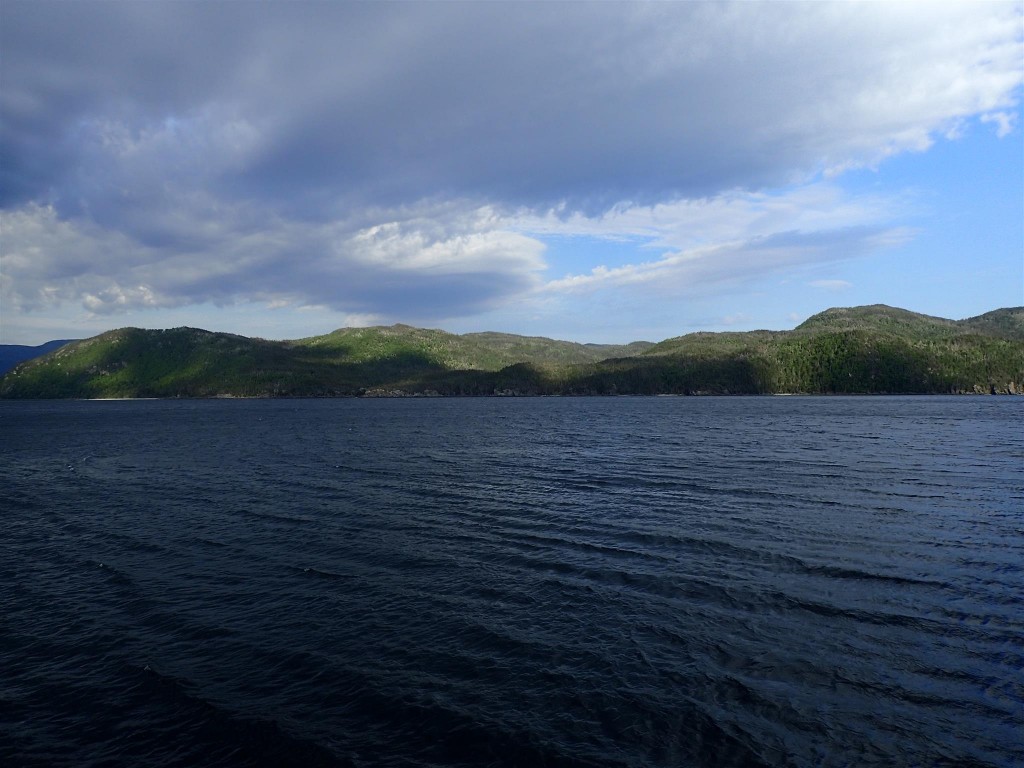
(874, 349)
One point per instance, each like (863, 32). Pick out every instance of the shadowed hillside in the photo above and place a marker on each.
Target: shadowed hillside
(874, 349)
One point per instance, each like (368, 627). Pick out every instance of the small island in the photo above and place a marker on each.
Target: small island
(861, 350)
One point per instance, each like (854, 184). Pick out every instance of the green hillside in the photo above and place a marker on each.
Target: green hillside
(874, 349)
(1005, 323)
(189, 362)
(879, 318)
(471, 351)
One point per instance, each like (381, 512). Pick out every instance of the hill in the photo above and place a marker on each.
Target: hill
(12, 354)
(874, 349)
(1005, 323)
(471, 351)
(191, 362)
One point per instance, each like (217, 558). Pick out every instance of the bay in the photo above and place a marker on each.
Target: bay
(539, 582)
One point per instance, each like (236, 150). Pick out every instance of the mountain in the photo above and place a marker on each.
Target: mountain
(12, 354)
(872, 349)
(190, 362)
(1005, 323)
(875, 349)
(471, 351)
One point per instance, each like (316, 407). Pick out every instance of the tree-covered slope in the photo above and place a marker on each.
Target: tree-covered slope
(12, 354)
(471, 351)
(189, 362)
(130, 362)
(881, 319)
(874, 349)
(1004, 323)
(856, 350)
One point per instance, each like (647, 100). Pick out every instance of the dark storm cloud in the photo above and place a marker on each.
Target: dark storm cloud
(66, 63)
(387, 103)
(226, 133)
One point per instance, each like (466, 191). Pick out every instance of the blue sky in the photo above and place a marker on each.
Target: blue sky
(598, 172)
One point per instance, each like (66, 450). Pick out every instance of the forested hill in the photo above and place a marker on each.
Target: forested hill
(12, 354)
(876, 349)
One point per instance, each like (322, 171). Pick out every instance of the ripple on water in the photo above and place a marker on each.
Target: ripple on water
(549, 582)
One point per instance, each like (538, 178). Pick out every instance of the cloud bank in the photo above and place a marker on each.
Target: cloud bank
(409, 161)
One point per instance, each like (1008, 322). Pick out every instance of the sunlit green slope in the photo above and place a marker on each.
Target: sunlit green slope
(875, 349)
(189, 362)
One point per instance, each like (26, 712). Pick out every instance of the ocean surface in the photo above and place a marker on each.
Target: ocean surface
(787, 581)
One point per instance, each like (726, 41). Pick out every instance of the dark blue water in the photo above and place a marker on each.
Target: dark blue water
(535, 582)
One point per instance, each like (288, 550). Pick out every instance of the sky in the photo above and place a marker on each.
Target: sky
(597, 172)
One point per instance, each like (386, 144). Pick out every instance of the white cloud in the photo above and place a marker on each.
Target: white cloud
(421, 244)
(47, 260)
(732, 238)
(701, 270)
(116, 297)
(473, 258)
(831, 285)
(690, 223)
(269, 259)
(1004, 122)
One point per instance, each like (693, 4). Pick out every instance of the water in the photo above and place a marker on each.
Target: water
(537, 582)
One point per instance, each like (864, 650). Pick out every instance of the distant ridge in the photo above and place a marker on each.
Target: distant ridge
(12, 354)
(871, 349)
